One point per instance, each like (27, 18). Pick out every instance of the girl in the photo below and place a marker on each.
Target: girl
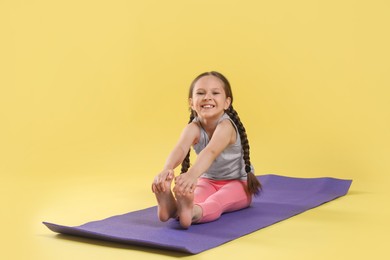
(221, 179)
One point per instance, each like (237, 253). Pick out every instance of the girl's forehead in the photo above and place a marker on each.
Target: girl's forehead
(209, 82)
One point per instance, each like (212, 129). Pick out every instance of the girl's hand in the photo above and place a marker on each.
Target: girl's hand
(162, 182)
(185, 183)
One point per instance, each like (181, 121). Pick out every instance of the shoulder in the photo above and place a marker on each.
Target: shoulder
(193, 126)
(226, 123)
(192, 131)
(225, 127)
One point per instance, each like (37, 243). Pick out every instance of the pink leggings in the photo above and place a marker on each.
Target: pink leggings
(218, 196)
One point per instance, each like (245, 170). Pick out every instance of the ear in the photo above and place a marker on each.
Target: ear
(190, 103)
(228, 102)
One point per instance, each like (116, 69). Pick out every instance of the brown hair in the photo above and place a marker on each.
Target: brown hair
(253, 184)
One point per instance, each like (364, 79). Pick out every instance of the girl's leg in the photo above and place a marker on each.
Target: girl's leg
(204, 189)
(230, 197)
(187, 211)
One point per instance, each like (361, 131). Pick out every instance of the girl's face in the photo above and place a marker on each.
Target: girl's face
(209, 99)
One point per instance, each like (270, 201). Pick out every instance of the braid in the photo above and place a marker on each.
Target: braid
(253, 184)
(186, 162)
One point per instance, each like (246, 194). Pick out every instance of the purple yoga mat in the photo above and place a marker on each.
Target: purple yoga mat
(281, 198)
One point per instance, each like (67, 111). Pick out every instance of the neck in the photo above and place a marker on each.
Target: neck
(210, 124)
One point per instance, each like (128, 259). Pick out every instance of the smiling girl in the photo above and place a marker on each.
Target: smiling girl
(221, 179)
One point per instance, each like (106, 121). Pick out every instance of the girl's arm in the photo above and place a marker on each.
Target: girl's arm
(189, 136)
(224, 135)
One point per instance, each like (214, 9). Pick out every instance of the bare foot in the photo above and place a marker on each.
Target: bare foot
(185, 205)
(166, 203)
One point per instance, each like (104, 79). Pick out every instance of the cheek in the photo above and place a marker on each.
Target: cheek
(194, 103)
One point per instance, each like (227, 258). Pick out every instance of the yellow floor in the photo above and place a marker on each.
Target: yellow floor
(352, 227)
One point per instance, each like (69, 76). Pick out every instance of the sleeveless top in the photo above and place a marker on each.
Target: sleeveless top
(229, 164)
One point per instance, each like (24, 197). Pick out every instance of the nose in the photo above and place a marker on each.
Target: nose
(207, 96)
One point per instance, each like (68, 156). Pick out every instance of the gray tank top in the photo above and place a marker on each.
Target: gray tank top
(230, 163)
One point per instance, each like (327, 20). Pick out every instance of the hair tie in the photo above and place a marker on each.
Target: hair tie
(248, 169)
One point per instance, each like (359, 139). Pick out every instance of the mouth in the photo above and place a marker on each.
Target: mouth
(207, 106)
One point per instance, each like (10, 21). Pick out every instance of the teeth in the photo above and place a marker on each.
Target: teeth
(208, 106)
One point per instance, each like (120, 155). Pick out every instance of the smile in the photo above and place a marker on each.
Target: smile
(207, 106)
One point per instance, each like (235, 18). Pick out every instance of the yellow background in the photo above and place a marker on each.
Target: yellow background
(94, 95)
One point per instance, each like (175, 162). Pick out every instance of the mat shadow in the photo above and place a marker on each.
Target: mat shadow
(118, 245)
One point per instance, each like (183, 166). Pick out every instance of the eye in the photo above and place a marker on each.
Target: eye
(199, 93)
(216, 93)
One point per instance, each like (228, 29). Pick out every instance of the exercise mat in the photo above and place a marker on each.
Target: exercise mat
(281, 198)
